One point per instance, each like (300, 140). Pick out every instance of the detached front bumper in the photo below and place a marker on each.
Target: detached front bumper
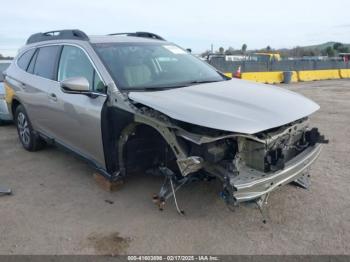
(251, 184)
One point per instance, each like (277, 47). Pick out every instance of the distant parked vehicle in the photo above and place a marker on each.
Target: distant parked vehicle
(4, 113)
(265, 57)
(345, 57)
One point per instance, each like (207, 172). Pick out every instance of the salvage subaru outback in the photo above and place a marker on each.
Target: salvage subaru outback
(133, 101)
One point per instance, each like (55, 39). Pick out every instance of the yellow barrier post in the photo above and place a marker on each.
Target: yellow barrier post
(344, 73)
(276, 77)
(312, 75)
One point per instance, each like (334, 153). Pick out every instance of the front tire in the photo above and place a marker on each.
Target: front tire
(30, 141)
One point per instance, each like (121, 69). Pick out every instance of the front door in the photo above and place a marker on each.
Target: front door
(75, 119)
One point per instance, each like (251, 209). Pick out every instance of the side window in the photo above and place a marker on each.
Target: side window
(45, 63)
(30, 68)
(24, 59)
(98, 84)
(75, 63)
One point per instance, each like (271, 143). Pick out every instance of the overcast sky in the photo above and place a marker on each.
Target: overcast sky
(191, 24)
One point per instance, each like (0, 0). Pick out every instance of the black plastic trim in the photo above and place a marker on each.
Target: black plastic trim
(68, 34)
(142, 34)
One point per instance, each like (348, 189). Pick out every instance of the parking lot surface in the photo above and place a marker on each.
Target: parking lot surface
(57, 207)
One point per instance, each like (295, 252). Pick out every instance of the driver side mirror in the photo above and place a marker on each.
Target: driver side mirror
(75, 85)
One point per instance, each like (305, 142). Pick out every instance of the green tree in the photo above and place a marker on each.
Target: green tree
(343, 49)
(229, 51)
(221, 50)
(330, 51)
(336, 46)
(244, 48)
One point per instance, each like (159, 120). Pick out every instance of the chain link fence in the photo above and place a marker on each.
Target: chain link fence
(287, 65)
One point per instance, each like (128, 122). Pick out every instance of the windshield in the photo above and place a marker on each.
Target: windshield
(154, 65)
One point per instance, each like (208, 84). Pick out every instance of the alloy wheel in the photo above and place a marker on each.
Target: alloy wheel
(23, 128)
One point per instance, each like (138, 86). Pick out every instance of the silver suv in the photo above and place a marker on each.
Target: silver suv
(134, 101)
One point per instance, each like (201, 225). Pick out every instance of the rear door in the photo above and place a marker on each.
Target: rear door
(34, 83)
(74, 120)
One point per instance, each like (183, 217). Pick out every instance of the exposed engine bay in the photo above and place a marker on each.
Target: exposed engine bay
(249, 166)
(239, 132)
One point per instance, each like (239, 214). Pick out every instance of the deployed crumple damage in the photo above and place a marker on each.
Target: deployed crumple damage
(235, 105)
(254, 138)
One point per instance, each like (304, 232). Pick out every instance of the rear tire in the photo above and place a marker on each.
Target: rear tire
(30, 141)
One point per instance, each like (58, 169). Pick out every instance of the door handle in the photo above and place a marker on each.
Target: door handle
(53, 97)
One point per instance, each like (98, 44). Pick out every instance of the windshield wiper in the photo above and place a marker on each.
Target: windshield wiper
(153, 88)
(203, 82)
(167, 87)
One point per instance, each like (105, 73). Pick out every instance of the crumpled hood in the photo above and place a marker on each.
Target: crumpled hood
(234, 105)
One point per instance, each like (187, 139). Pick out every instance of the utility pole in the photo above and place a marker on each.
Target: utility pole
(212, 49)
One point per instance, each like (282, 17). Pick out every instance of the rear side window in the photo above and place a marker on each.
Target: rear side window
(46, 61)
(24, 59)
(30, 68)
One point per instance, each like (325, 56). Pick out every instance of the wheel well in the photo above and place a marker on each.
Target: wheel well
(15, 104)
(146, 148)
(119, 131)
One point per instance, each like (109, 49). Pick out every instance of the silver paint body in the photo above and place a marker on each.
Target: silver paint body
(235, 105)
(74, 120)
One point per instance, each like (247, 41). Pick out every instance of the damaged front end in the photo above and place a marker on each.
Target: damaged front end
(252, 166)
(249, 166)
(240, 132)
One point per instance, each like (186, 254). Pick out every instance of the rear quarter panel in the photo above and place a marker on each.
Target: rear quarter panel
(32, 96)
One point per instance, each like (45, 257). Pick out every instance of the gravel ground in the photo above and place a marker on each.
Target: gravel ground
(57, 208)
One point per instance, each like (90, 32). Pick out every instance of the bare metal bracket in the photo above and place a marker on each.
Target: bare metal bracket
(262, 205)
(168, 189)
(303, 182)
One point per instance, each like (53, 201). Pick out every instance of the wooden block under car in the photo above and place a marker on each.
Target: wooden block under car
(107, 184)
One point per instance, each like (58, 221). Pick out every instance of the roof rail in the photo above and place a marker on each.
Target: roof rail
(142, 34)
(73, 34)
